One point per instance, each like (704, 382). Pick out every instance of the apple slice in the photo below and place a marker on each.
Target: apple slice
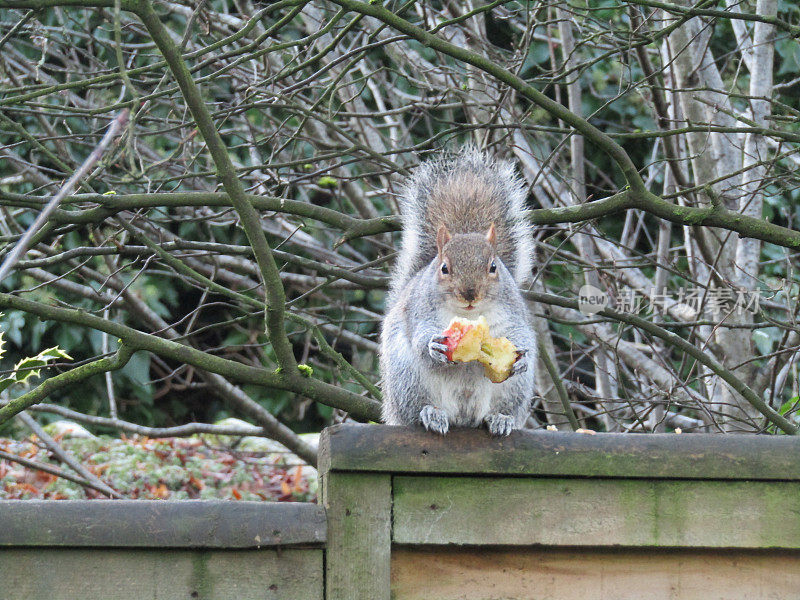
(470, 340)
(498, 356)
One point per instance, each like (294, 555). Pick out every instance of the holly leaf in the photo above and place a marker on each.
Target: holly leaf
(32, 366)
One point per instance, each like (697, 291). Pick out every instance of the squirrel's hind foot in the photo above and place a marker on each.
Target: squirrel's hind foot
(434, 419)
(500, 425)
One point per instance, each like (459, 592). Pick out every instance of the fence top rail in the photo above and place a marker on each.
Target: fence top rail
(373, 448)
(167, 524)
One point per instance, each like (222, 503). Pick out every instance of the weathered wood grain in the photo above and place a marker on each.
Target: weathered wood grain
(359, 536)
(135, 574)
(594, 512)
(592, 574)
(384, 449)
(176, 524)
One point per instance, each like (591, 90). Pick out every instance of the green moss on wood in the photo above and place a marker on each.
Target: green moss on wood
(201, 580)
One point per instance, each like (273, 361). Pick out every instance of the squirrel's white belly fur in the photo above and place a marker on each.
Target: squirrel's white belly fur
(463, 393)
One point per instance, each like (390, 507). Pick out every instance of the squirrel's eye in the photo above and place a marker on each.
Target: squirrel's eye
(445, 270)
(492, 268)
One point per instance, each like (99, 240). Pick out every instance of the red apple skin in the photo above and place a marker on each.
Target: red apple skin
(453, 337)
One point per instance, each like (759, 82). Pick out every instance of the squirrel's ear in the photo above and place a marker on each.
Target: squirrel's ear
(442, 237)
(491, 235)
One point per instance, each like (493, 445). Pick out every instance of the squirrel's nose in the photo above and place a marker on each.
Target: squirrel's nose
(469, 294)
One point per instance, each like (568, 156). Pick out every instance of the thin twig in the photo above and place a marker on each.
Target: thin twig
(66, 457)
(49, 469)
(22, 245)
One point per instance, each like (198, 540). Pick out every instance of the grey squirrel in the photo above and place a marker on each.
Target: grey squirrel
(466, 247)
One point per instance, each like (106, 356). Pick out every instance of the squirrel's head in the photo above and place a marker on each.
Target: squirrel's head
(468, 266)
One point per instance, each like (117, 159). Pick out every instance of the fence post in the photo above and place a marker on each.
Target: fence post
(359, 512)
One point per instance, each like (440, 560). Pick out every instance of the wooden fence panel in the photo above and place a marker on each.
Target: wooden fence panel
(596, 512)
(593, 574)
(163, 574)
(127, 550)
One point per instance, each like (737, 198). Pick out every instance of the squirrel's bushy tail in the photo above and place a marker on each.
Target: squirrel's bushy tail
(466, 191)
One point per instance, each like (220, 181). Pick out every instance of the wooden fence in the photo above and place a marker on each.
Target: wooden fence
(409, 515)
(136, 549)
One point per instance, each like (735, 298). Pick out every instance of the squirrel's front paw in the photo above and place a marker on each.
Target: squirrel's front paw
(521, 364)
(437, 348)
(499, 424)
(434, 419)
